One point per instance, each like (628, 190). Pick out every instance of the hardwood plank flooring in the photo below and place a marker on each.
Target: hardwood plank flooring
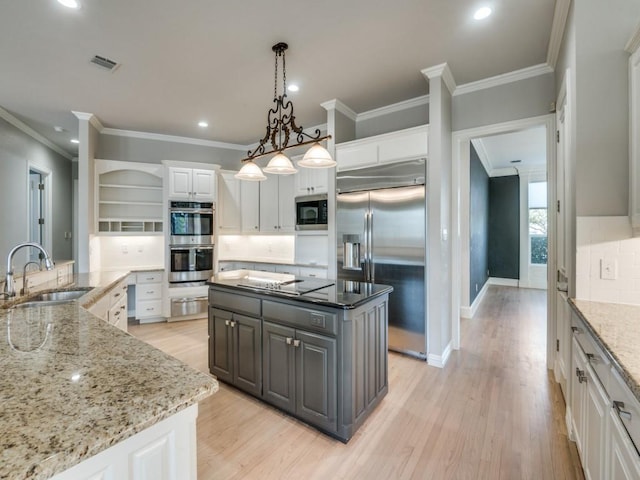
(494, 411)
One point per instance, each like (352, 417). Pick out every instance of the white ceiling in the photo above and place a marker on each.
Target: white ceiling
(200, 59)
(497, 152)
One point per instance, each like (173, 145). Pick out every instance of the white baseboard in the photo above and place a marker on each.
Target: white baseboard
(505, 282)
(440, 360)
(469, 312)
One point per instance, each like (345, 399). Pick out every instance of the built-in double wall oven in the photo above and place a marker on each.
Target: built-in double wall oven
(191, 243)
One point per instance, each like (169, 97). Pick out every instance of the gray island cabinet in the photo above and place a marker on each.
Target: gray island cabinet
(320, 356)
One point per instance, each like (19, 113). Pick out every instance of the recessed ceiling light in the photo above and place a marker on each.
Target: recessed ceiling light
(75, 140)
(70, 3)
(293, 87)
(203, 124)
(481, 13)
(58, 128)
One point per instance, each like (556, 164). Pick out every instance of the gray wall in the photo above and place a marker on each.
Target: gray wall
(17, 149)
(504, 227)
(478, 225)
(115, 147)
(513, 101)
(392, 122)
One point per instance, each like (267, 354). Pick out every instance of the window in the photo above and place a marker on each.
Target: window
(538, 223)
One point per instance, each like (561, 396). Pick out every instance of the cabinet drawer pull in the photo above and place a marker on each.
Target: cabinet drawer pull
(289, 340)
(296, 343)
(117, 294)
(619, 408)
(150, 309)
(593, 358)
(576, 330)
(150, 292)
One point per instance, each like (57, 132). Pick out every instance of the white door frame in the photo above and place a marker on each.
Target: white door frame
(47, 200)
(461, 141)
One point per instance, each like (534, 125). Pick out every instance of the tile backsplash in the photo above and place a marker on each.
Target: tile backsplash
(607, 260)
(269, 248)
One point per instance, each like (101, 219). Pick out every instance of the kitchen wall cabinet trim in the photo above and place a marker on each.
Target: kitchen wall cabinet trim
(634, 142)
(386, 148)
(164, 451)
(128, 197)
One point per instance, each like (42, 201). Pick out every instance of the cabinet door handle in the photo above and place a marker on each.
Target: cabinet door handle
(296, 343)
(581, 376)
(593, 358)
(289, 340)
(233, 324)
(619, 408)
(226, 322)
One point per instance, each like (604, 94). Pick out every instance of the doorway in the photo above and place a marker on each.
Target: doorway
(462, 141)
(39, 210)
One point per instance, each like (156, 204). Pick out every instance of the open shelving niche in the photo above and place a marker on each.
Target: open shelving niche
(129, 197)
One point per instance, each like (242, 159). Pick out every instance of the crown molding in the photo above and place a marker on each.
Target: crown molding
(393, 108)
(481, 150)
(337, 105)
(20, 125)
(634, 42)
(560, 15)
(516, 75)
(443, 71)
(171, 138)
(91, 118)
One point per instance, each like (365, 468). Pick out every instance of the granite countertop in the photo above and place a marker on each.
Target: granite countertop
(617, 328)
(340, 294)
(72, 385)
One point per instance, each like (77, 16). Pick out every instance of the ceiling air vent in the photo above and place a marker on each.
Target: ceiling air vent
(105, 63)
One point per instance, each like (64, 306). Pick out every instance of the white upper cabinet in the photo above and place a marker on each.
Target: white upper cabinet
(192, 184)
(309, 181)
(387, 148)
(277, 204)
(228, 203)
(250, 206)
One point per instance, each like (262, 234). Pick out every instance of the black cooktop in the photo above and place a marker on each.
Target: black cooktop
(296, 286)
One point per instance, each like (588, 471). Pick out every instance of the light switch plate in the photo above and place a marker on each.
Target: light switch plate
(608, 268)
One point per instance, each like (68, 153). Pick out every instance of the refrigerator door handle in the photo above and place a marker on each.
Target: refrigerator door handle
(366, 247)
(372, 265)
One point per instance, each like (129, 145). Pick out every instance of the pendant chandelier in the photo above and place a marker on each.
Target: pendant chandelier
(281, 126)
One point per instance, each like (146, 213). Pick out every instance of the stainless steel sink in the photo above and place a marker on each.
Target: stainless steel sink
(52, 298)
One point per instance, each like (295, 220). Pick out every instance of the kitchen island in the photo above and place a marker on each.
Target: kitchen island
(80, 398)
(316, 349)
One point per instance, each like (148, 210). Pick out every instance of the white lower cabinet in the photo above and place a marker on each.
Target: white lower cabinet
(601, 411)
(149, 296)
(164, 451)
(112, 307)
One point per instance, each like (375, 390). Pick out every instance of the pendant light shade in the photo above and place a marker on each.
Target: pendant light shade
(250, 171)
(281, 165)
(317, 157)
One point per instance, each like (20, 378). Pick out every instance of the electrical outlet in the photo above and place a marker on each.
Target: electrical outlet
(608, 268)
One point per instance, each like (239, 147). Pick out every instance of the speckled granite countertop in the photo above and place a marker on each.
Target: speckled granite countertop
(617, 328)
(86, 385)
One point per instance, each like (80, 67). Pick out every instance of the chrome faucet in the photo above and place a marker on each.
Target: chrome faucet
(25, 286)
(9, 289)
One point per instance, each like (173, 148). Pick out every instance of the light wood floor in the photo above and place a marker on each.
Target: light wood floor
(494, 411)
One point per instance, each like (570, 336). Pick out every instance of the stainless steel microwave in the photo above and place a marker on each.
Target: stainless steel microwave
(312, 212)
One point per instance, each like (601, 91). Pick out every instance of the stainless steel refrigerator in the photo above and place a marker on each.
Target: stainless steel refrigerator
(381, 235)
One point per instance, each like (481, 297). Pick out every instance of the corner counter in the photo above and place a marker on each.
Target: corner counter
(72, 386)
(616, 327)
